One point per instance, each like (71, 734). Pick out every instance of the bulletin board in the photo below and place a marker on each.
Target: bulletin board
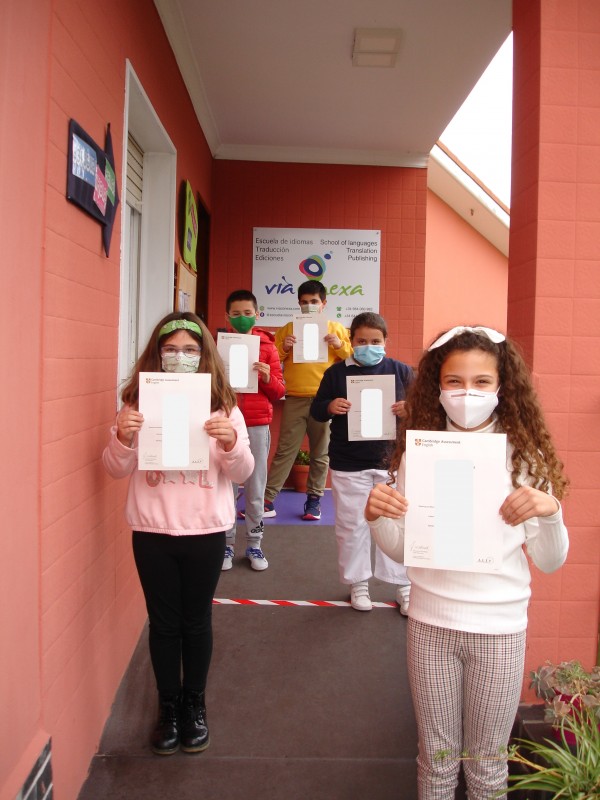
(185, 288)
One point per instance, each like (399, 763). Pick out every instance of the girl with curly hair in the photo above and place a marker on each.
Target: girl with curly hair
(179, 519)
(466, 630)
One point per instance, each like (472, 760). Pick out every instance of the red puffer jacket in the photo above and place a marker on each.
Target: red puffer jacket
(258, 408)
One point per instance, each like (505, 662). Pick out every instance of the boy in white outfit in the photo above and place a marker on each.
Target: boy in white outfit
(356, 467)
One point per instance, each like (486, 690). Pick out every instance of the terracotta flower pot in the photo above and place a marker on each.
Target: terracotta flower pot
(299, 477)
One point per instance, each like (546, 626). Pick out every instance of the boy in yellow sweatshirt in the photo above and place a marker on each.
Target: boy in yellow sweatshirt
(302, 381)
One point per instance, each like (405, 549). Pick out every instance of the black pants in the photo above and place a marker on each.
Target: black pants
(179, 576)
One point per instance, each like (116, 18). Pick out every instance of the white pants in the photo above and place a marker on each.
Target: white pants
(350, 493)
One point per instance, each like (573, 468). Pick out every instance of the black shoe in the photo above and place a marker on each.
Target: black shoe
(194, 730)
(165, 736)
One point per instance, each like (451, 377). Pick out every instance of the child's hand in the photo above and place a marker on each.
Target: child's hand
(398, 408)
(264, 371)
(288, 343)
(384, 501)
(129, 422)
(221, 429)
(525, 503)
(339, 406)
(333, 341)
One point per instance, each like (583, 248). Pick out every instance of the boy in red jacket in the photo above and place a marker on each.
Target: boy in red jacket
(242, 313)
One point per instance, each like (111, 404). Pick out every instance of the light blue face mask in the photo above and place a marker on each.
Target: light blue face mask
(368, 355)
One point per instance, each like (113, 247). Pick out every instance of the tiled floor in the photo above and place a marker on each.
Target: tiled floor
(305, 702)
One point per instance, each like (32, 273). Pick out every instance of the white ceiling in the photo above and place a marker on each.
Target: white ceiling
(273, 80)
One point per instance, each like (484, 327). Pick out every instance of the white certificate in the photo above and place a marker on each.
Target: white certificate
(239, 352)
(370, 415)
(175, 406)
(310, 331)
(455, 485)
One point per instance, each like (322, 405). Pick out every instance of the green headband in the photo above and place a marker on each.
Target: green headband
(179, 324)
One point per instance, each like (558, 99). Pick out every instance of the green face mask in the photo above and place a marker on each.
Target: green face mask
(242, 324)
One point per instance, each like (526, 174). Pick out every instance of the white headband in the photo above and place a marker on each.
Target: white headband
(491, 334)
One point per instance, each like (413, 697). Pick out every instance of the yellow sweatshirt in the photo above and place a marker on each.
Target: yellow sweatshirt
(302, 380)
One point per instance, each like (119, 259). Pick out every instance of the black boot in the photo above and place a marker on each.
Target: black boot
(194, 730)
(165, 736)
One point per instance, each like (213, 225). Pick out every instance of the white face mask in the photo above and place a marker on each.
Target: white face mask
(310, 308)
(468, 409)
(179, 362)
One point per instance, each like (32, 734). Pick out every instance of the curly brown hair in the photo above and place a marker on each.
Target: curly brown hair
(518, 412)
(222, 395)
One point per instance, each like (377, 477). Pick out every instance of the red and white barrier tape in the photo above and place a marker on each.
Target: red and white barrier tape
(220, 601)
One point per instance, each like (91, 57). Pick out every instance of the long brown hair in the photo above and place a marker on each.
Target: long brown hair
(222, 395)
(519, 412)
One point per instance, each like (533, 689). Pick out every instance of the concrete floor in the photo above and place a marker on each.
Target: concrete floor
(304, 702)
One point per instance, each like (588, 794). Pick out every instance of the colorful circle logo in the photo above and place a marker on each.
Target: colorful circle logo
(314, 267)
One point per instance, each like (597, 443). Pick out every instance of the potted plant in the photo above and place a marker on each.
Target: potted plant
(561, 770)
(299, 471)
(567, 688)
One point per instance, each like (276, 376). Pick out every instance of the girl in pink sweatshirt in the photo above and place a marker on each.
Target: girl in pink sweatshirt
(179, 519)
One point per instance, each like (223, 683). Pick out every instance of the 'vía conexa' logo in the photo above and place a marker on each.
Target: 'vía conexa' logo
(314, 267)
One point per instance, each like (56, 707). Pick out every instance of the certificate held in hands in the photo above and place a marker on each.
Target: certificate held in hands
(239, 351)
(175, 406)
(455, 485)
(310, 331)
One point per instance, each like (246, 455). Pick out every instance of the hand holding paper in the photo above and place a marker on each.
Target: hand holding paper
(333, 341)
(221, 429)
(399, 408)
(385, 501)
(339, 405)
(289, 342)
(525, 503)
(129, 422)
(264, 371)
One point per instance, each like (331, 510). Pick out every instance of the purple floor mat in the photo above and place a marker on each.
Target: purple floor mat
(289, 506)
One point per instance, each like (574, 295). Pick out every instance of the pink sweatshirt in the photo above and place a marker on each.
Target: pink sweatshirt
(180, 502)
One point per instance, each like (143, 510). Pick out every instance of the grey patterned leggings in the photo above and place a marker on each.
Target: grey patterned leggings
(465, 689)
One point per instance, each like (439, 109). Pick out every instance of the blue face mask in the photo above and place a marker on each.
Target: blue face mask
(367, 355)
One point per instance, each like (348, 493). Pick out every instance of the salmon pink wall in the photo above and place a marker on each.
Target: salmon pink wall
(393, 200)
(69, 569)
(554, 291)
(466, 277)
(23, 125)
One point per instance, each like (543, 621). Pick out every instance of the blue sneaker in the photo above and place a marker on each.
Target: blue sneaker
(312, 507)
(269, 509)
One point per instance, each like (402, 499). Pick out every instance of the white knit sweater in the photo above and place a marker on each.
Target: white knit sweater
(479, 602)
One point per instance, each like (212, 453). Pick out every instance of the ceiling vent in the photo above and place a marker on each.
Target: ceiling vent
(376, 47)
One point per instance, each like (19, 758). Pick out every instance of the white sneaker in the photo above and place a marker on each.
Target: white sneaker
(256, 557)
(359, 597)
(403, 598)
(228, 559)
